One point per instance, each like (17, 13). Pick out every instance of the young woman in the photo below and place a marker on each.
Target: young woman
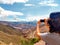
(53, 36)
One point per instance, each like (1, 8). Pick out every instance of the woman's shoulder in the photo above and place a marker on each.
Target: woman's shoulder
(55, 35)
(54, 38)
(47, 35)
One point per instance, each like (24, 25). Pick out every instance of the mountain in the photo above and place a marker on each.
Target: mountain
(8, 29)
(10, 34)
(17, 23)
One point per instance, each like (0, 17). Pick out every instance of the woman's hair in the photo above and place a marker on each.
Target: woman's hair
(54, 22)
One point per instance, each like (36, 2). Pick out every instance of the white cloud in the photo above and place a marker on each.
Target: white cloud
(28, 18)
(4, 12)
(29, 5)
(11, 20)
(52, 4)
(12, 1)
(48, 3)
(38, 17)
(15, 20)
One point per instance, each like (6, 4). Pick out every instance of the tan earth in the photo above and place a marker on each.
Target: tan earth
(41, 42)
(2, 43)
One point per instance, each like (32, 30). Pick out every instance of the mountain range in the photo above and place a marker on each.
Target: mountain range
(15, 32)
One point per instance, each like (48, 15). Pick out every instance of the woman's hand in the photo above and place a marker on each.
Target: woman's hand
(46, 24)
(38, 29)
(39, 22)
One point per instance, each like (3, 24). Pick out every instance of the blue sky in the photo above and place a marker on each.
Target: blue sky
(27, 10)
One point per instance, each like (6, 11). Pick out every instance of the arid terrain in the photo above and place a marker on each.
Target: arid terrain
(22, 34)
(41, 42)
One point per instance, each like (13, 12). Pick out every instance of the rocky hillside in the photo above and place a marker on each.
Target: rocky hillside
(23, 28)
(22, 33)
(9, 34)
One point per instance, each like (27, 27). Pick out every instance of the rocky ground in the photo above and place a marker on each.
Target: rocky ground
(41, 42)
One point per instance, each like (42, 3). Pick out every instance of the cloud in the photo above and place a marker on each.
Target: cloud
(53, 4)
(4, 12)
(14, 20)
(11, 20)
(38, 17)
(12, 1)
(29, 5)
(27, 18)
(48, 3)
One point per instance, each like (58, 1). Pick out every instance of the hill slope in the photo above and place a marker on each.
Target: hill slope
(9, 34)
(8, 29)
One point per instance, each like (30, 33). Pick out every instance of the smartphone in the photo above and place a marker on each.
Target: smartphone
(42, 20)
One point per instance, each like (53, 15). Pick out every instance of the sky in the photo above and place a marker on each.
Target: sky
(27, 10)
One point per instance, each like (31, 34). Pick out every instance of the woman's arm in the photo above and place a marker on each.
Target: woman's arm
(38, 25)
(38, 29)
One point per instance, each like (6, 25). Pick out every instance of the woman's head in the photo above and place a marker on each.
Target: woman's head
(54, 22)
